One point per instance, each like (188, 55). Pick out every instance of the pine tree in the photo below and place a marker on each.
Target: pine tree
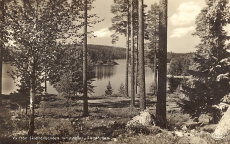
(124, 23)
(153, 36)
(141, 55)
(109, 89)
(211, 64)
(85, 91)
(121, 89)
(132, 56)
(127, 51)
(3, 38)
(2, 5)
(162, 69)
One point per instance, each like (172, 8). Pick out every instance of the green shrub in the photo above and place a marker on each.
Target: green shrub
(109, 89)
(121, 90)
(176, 120)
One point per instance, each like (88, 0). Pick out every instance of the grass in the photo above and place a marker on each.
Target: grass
(106, 123)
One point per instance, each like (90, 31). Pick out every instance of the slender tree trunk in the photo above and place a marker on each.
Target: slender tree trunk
(85, 97)
(141, 57)
(161, 94)
(137, 60)
(45, 82)
(137, 64)
(127, 56)
(132, 104)
(155, 61)
(1, 46)
(155, 72)
(32, 98)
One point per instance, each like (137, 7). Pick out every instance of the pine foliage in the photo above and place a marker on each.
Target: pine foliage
(210, 80)
(121, 89)
(109, 89)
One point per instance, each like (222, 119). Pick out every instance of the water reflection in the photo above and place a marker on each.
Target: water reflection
(104, 72)
(115, 74)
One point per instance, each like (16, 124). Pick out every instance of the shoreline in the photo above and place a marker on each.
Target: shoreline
(169, 76)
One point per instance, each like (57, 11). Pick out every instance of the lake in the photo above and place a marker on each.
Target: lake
(115, 74)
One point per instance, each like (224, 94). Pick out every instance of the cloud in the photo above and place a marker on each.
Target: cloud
(105, 32)
(186, 14)
(180, 32)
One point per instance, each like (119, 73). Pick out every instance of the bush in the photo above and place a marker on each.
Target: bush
(176, 120)
(152, 88)
(109, 90)
(173, 84)
(121, 89)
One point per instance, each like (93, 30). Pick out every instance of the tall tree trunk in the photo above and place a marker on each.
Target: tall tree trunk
(141, 57)
(137, 62)
(132, 104)
(127, 56)
(137, 65)
(155, 60)
(1, 46)
(32, 98)
(155, 72)
(45, 82)
(162, 69)
(85, 97)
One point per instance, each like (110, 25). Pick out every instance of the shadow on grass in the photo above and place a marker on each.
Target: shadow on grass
(117, 104)
(120, 104)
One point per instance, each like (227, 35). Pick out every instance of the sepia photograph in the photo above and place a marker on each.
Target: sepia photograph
(114, 71)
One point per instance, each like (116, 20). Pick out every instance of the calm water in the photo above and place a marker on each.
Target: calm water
(116, 76)
(104, 74)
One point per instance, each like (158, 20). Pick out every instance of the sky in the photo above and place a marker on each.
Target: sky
(181, 24)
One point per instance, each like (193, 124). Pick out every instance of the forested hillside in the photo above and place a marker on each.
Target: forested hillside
(101, 54)
(172, 55)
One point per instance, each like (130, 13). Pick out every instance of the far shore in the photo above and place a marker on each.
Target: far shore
(168, 76)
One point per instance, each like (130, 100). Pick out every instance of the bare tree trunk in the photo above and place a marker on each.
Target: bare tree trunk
(1, 46)
(85, 96)
(155, 61)
(132, 104)
(161, 95)
(137, 65)
(32, 98)
(127, 56)
(141, 57)
(155, 72)
(45, 82)
(137, 62)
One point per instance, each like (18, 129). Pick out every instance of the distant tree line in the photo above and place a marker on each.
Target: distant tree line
(100, 54)
(179, 63)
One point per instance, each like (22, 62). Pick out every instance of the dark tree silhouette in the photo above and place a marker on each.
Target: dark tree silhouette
(127, 52)
(85, 92)
(210, 80)
(162, 69)
(141, 56)
(132, 56)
